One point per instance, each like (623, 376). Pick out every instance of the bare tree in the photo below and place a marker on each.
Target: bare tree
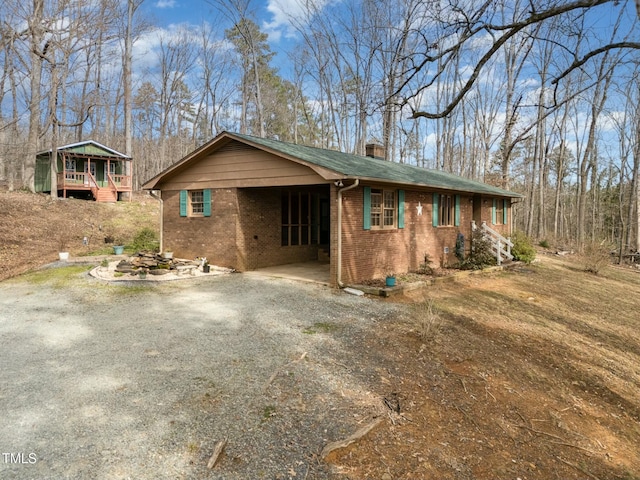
(36, 33)
(461, 27)
(127, 60)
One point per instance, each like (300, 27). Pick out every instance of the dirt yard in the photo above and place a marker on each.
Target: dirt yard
(34, 227)
(527, 374)
(532, 373)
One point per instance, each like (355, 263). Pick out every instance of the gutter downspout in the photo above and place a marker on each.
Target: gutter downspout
(339, 266)
(152, 193)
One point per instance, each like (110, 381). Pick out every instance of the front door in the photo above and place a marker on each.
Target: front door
(477, 209)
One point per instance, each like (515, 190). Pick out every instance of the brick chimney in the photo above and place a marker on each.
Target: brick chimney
(375, 150)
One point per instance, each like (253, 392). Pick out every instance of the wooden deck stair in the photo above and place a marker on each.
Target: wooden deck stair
(105, 194)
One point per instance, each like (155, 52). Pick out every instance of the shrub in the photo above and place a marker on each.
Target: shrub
(596, 256)
(145, 239)
(427, 318)
(481, 254)
(544, 243)
(425, 267)
(460, 247)
(522, 249)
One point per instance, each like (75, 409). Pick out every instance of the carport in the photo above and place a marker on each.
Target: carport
(312, 272)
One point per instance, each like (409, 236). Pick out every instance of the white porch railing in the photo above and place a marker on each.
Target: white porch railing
(500, 245)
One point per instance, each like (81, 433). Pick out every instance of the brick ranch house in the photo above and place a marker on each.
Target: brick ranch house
(246, 202)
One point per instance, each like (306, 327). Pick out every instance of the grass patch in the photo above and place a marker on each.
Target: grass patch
(122, 290)
(320, 327)
(58, 277)
(268, 412)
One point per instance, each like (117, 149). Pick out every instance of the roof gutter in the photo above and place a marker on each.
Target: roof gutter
(339, 266)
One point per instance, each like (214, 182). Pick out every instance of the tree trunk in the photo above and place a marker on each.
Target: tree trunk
(37, 33)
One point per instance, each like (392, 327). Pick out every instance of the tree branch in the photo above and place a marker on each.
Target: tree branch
(509, 30)
(581, 61)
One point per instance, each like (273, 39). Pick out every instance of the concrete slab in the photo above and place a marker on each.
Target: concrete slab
(314, 272)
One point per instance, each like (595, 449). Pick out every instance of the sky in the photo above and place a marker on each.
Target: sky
(273, 18)
(170, 16)
(271, 15)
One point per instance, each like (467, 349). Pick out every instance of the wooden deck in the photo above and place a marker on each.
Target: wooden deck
(101, 191)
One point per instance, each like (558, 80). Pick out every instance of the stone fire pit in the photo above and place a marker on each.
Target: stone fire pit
(147, 266)
(156, 264)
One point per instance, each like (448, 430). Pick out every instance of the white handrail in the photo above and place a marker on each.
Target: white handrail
(498, 242)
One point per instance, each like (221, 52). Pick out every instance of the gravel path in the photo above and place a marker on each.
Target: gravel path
(104, 381)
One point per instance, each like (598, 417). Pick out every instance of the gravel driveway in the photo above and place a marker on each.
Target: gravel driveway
(104, 381)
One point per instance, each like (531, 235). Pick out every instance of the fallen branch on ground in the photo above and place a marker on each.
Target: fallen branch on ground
(330, 447)
(217, 451)
(578, 468)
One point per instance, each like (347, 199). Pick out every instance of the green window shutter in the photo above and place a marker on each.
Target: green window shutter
(206, 198)
(400, 208)
(505, 204)
(456, 218)
(366, 209)
(493, 211)
(183, 203)
(436, 199)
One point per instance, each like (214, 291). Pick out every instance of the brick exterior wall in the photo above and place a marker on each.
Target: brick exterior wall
(213, 237)
(368, 254)
(243, 231)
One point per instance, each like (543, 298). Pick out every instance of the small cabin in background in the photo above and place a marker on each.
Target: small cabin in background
(86, 170)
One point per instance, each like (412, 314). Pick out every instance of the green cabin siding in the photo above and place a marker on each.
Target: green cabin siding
(42, 178)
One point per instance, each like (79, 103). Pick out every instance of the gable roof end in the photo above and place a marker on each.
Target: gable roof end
(71, 146)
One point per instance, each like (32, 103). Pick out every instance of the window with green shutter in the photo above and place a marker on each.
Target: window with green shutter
(183, 203)
(206, 199)
(499, 212)
(381, 209)
(435, 209)
(400, 208)
(446, 208)
(494, 214)
(195, 203)
(366, 209)
(505, 206)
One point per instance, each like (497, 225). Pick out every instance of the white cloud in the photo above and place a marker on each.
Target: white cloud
(286, 15)
(165, 3)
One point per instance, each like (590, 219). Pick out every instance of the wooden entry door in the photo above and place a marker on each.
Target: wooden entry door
(477, 209)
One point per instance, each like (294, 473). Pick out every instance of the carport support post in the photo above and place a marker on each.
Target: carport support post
(157, 197)
(339, 262)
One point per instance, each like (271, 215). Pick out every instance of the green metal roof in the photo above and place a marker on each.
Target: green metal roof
(88, 147)
(357, 166)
